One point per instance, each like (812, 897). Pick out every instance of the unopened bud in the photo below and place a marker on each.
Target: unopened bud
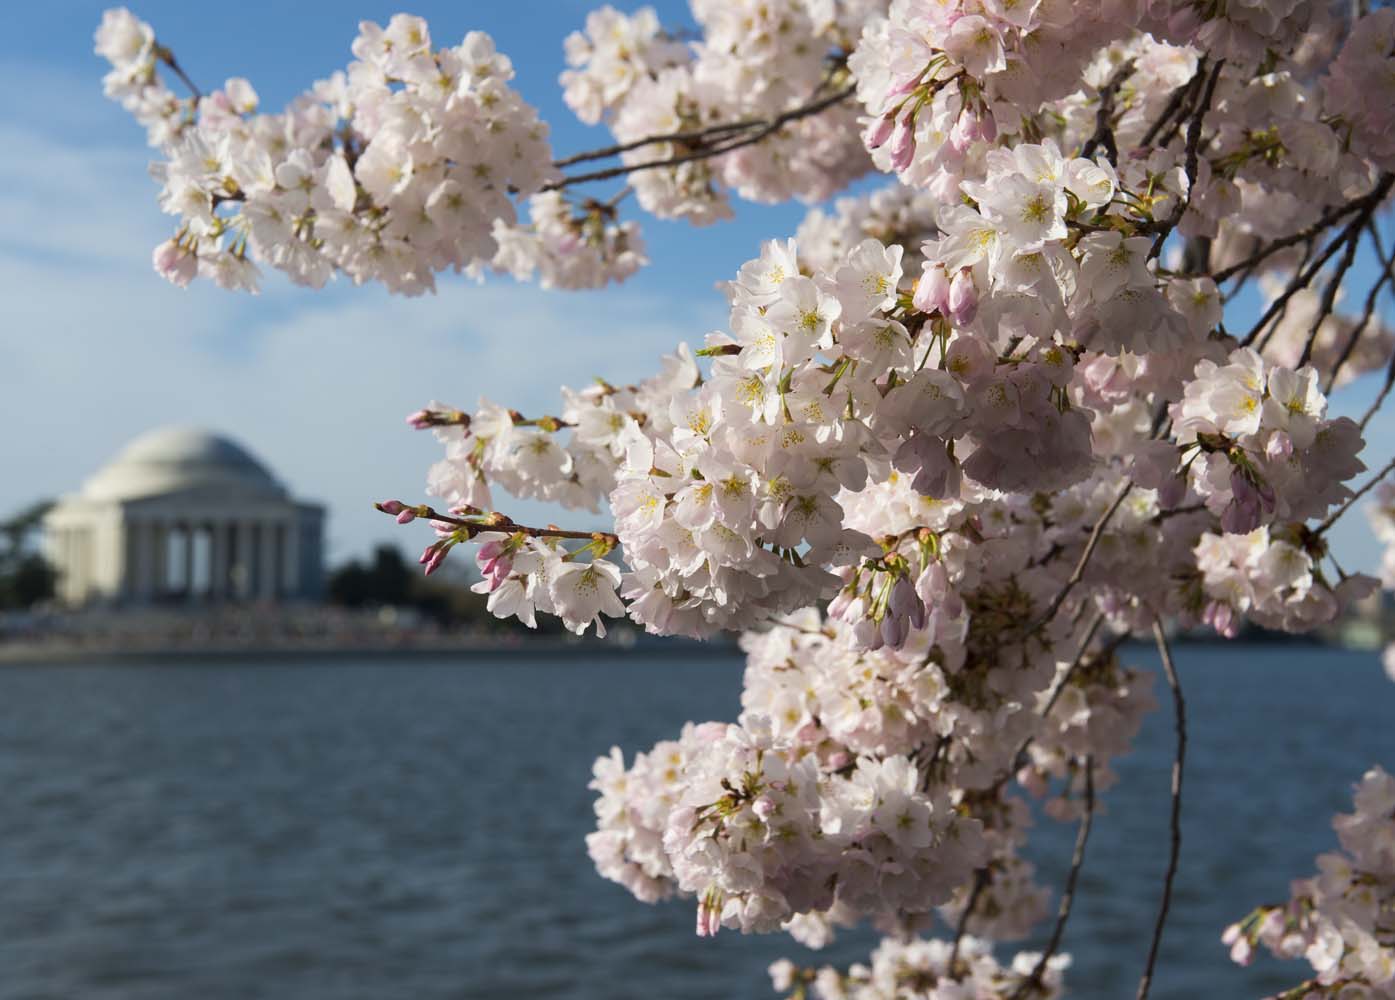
(932, 290)
(881, 131)
(963, 298)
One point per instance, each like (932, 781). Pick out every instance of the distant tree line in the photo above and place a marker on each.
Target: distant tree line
(26, 577)
(387, 579)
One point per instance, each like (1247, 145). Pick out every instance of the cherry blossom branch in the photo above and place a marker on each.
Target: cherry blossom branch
(1019, 757)
(1078, 573)
(1175, 103)
(1175, 849)
(1077, 860)
(1304, 278)
(1381, 396)
(1367, 314)
(488, 521)
(980, 883)
(1370, 485)
(167, 57)
(1329, 294)
(1326, 221)
(1104, 116)
(1193, 159)
(769, 128)
(691, 136)
(426, 418)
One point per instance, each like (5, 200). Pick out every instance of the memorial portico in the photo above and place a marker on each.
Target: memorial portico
(185, 516)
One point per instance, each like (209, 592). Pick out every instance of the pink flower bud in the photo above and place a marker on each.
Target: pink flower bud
(419, 420)
(393, 507)
(1172, 492)
(174, 263)
(903, 145)
(881, 131)
(905, 86)
(838, 607)
(1221, 617)
(867, 634)
(963, 298)
(707, 922)
(894, 631)
(932, 290)
(406, 516)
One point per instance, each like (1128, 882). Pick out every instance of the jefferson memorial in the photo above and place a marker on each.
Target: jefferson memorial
(183, 516)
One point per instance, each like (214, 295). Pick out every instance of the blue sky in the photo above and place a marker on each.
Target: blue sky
(95, 349)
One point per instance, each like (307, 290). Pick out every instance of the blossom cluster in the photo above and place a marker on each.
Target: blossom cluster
(569, 248)
(858, 786)
(856, 436)
(754, 61)
(926, 970)
(1342, 920)
(393, 170)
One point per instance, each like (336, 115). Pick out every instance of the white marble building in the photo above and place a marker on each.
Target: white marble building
(185, 516)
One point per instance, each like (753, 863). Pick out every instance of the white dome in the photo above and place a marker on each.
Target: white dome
(179, 459)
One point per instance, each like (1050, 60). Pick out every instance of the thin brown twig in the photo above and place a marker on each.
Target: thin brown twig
(1329, 296)
(495, 521)
(1293, 239)
(1019, 756)
(1193, 161)
(167, 57)
(1077, 860)
(980, 883)
(1104, 116)
(1174, 104)
(1368, 313)
(1370, 485)
(1304, 277)
(1384, 392)
(717, 149)
(1078, 573)
(690, 136)
(1179, 706)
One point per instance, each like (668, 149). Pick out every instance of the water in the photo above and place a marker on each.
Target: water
(337, 830)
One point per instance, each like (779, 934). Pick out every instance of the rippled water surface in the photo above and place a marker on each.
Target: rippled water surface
(336, 830)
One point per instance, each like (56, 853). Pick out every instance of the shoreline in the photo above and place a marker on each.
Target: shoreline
(471, 649)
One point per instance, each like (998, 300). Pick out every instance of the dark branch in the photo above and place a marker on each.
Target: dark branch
(167, 57)
(1367, 314)
(768, 129)
(1068, 893)
(1175, 103)
(1193, 159)
(690, 137)
(980, 882)
(1283, 243)
(1370, 485)
(1104, 117)
(1180, 712)
(1078, 573)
